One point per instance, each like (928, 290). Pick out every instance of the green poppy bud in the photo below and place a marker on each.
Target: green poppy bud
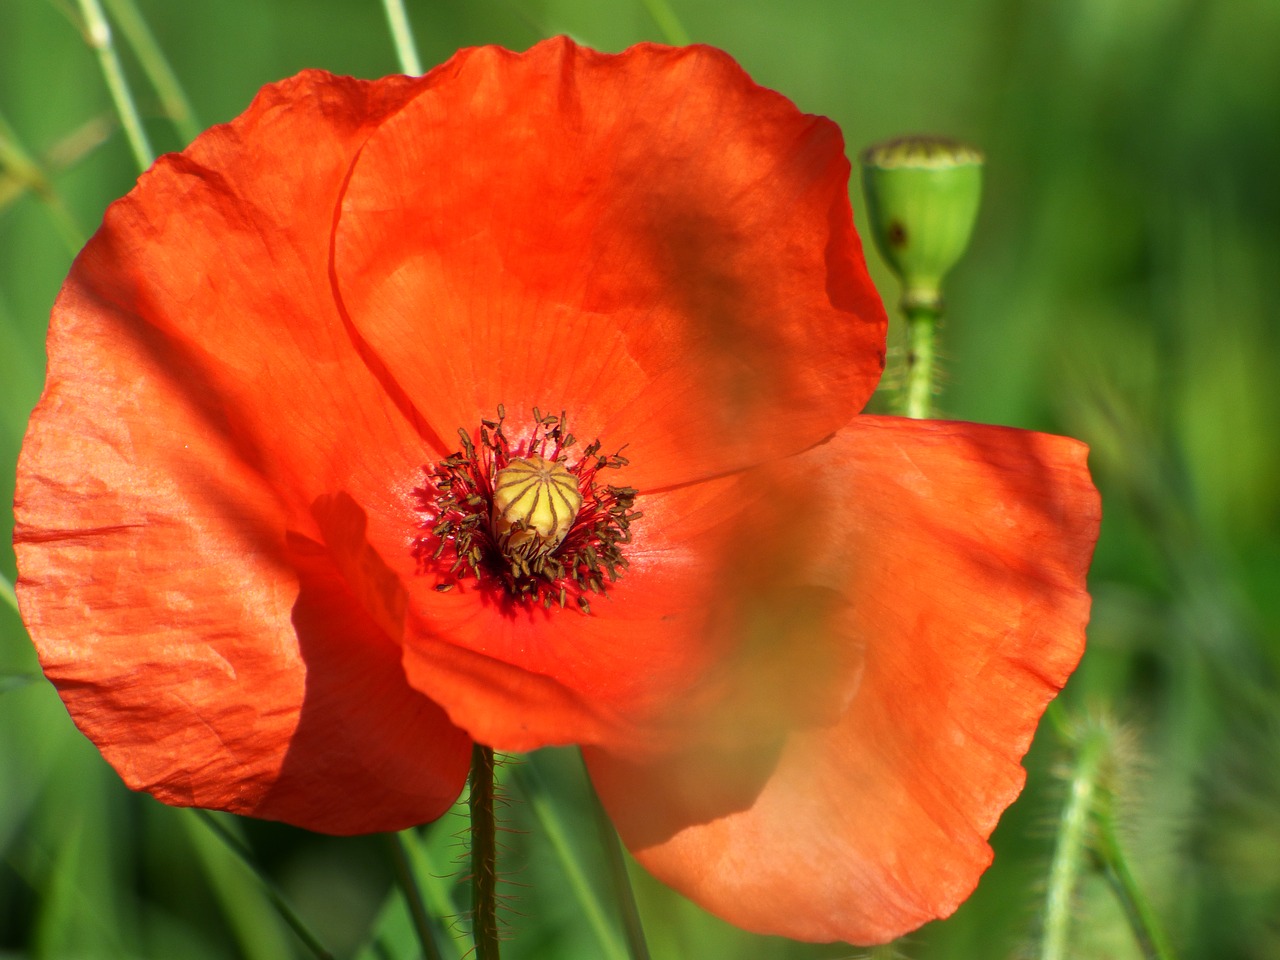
(922, 200)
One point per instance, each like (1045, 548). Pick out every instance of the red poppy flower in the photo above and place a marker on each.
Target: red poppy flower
(803, 650)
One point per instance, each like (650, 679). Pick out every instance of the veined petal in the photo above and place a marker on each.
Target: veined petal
(648, 241)
(962, 550)
(217, 266)
(211, 624)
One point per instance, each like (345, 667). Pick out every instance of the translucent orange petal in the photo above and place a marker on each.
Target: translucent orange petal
(962, 551)
(647, 241)
(185, 584)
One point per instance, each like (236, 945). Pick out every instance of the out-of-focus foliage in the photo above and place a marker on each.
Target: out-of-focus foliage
(1121, 288)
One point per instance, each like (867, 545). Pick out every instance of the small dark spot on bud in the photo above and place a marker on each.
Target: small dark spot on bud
(897, 234)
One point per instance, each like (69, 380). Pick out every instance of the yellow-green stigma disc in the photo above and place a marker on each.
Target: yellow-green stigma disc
(534, 504)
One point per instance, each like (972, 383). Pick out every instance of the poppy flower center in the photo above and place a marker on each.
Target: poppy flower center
(535, 502)
(525, 517)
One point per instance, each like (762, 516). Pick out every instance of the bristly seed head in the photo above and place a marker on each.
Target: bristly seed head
(521, 516)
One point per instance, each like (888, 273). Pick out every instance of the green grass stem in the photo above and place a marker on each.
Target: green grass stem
(98, 36)
(1087, 829)
(7, 595)
(273, 892)
(533, 788)
(25, 173)
(156, 66)
(407, 880)
(1147, 929)
(402, 36)
(620, 879)
(437, 889)
(250, 917)
(665, 17)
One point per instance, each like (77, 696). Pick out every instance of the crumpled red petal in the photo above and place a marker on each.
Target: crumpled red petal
(648, 241)
(193, 489)
(963, 551)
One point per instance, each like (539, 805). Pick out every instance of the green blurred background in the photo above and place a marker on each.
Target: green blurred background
(1122, 288)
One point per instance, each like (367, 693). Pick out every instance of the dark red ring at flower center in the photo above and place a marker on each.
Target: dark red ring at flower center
(505, 540)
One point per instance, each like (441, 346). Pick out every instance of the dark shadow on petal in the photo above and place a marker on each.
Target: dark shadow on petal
(736, 298)
(369, 753)
(694, 787)
(796, 667)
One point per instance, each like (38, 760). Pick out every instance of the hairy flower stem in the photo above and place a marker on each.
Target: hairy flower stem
(918, 381)
(98, 36)
(1069, 854)
(484, 855)
(1142, 919)
(402, 36)
(1088, 827)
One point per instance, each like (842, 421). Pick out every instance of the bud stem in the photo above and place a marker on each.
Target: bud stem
(1088, 826)
(1142, 919)
(1069, 853)
(484, 855)
(918, 382)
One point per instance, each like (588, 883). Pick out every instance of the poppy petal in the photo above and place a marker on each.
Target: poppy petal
(647, 241)
(658, 652)
(520, 677)
(211, 622)
(963, 551)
